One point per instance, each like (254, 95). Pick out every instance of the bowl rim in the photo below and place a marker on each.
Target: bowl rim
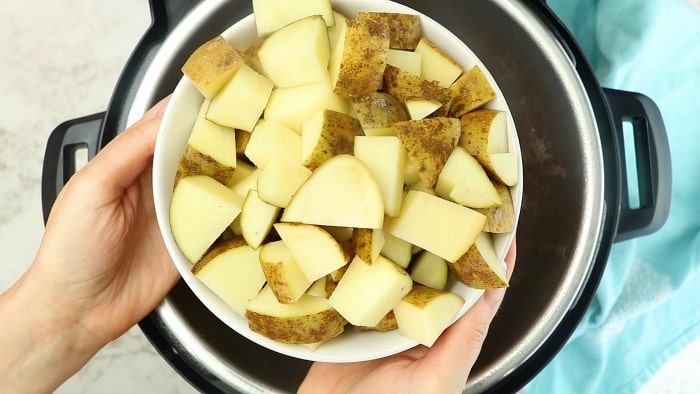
(179, 115)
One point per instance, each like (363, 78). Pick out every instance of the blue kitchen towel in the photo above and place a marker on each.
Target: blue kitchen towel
(647, 307)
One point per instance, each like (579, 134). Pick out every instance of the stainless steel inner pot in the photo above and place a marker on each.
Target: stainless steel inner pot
(573, 205)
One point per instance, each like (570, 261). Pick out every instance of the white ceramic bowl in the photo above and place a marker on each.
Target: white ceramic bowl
(175, 129)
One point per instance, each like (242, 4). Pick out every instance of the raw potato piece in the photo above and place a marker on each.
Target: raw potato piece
(470, 91)
(480, 266)
(420, 108)
(368, 243)
(335, 31)
(200, 210)
(388, 323)
(385, 158)
(405, 60)
(211, 66)
(359, 57)
(378, 110)
(272, 139)
(242, 138)
(328, 133)
(504, 167)
(366, 293)
(500, 218)
(243, 169)
(282, 272)
(341, 192)
(240, 103)
(425, 313)
(404, 85)
(257, 218)
(316, 251)
(231, 269)
(404, 29)
(429, 142)
(484, 132)
(211, 150)
(430, 270)
(309, 320)
(397, 250)
(465, 182)
(295, 105)
(436, 65)
(318, 288)
(297, 53)
(247, 183)
(449, 231)
(279, 180)
(271, 15)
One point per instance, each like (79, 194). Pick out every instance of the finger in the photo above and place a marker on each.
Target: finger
(459, 346)
(116, 166)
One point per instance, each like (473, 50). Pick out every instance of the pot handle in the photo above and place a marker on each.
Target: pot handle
(60, 156)
(652, 157)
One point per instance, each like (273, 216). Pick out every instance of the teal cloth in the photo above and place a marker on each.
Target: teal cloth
(647, 307)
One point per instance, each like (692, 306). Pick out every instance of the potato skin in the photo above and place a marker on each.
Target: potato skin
(475, 131)
(429, 142)
(365, 50)
(388, 323)
(379, 109)
(194, 162)
(404, 85)
(337, 137)
(314, 328)
(470, 91)
(219, 247)
(500, 218)
(404, 29)
(208, 63)
(473, 271)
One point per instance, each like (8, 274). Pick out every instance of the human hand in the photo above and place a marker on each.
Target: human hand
(101, 266)
(442, 368)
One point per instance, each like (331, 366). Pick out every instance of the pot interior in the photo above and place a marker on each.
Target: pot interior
(562, 208)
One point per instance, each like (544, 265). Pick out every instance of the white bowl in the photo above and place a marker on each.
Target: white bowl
(175, 129)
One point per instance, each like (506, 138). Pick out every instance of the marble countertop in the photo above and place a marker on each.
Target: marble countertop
(60, 60)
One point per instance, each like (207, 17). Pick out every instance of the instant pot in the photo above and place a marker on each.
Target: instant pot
(576, 200)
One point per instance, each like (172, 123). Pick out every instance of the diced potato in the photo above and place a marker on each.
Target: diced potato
(405, 60)
(200, 210)
(328, 133)
(271, 15)
(378, 110)
(500, 218)
(257, 218)
(359, 57)
(342, 181)
(480, 267)
(420, 108)
(297, 53)
(404, 29)
(247, 92)
(279, 180)
(430, 270)
(368, 243)
(404, 85)
(429, 142)
(295, 105)
(282, 272)
(211, 150)
(317, 252)
(335, 31)
(231, 270)
(449, 231)
(366, 293)
(385, 157)
(425, 313)
(465, 182)
(212, 65)
(436, 65)
(246, 183)
(309, 320)
(470, 91)
(388, 323)
(272, 139)
(396, 250)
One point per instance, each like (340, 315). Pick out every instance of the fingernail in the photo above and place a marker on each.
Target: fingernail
(162, 107)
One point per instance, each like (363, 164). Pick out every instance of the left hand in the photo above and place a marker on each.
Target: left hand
(102, 256)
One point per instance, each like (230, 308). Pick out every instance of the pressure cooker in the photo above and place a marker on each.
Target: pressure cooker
(576, 199)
